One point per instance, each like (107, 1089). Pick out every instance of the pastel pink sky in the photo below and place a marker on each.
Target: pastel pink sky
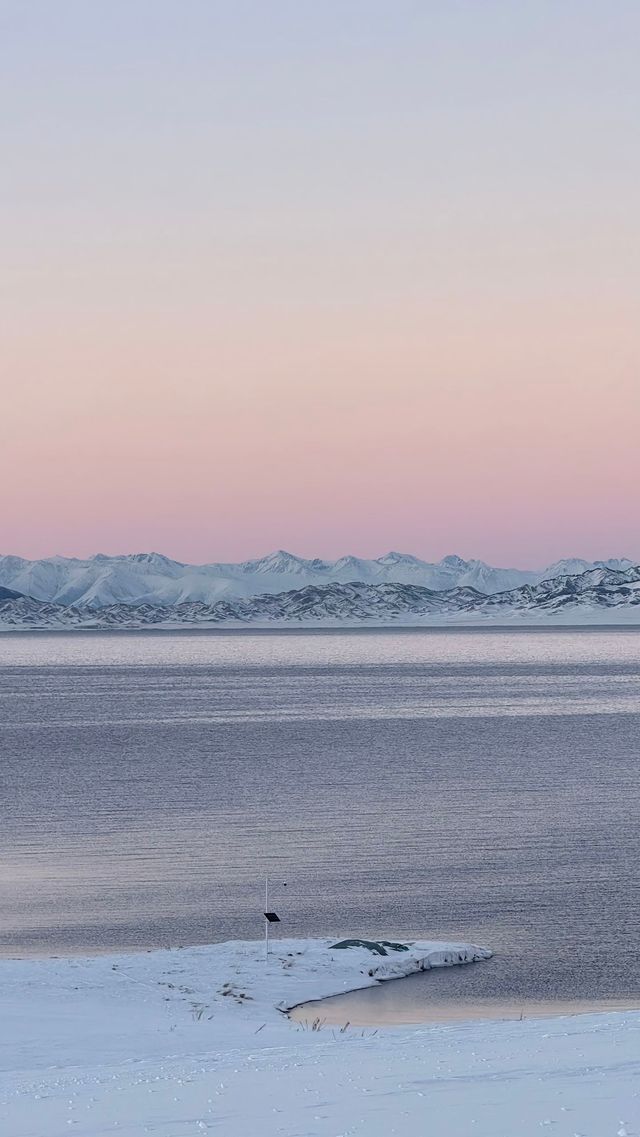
(339, 288)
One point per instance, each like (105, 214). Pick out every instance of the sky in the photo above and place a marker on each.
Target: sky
(337, 277)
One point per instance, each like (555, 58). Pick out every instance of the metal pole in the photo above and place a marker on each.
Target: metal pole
(266, 922)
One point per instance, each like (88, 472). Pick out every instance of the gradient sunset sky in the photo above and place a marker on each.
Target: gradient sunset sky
(333, 277)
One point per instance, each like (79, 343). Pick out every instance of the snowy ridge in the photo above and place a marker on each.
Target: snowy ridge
(151, 578)
(422, 957)
(599, 594)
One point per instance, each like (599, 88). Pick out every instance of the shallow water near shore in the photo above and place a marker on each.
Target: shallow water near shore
(467, 992)
(480, 785)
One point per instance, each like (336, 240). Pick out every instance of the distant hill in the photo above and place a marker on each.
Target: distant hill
(151, 578)
(9, 594)
(598, 595)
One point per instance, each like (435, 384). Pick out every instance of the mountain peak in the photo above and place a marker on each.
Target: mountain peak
(454, 561)
(158, 559)
(395, 558)
(280, 561)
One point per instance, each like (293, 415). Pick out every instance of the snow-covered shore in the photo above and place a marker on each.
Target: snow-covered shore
(191, 1041)
(229, 988)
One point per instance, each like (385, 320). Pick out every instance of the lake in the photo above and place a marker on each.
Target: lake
(481, 785)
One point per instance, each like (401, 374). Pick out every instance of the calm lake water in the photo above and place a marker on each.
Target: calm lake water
(478, 784)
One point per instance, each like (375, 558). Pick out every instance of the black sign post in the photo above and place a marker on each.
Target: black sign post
(269, 918)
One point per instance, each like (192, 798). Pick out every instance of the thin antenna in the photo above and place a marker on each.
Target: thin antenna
(269, 918)
(266, 921)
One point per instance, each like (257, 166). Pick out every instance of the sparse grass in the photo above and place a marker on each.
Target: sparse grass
(314, 1024)
(199, 1011)
(240, 997)
(346, 1030)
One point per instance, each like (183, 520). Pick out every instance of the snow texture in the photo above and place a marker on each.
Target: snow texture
(187, 1042)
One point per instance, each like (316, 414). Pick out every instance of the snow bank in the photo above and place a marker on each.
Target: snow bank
(228, 989)
(301, 970)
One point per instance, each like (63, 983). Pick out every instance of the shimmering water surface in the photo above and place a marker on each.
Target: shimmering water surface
(482, 785)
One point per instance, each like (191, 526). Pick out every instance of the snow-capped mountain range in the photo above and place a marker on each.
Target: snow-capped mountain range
(151, 578)
(146, 590)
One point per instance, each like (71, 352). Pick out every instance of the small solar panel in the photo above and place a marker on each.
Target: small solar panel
(272, 918)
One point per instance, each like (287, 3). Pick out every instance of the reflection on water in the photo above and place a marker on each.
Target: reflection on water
(470, 785)
(489, 990)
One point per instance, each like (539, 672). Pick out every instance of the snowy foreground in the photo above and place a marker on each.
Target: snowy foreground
(188, 1042)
